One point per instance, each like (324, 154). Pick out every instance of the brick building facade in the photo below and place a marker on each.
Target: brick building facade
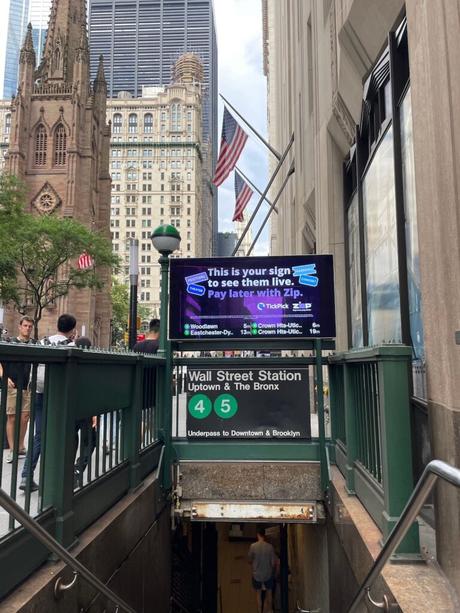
(59, 145)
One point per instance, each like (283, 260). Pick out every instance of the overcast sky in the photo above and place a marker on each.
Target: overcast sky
(242, 82)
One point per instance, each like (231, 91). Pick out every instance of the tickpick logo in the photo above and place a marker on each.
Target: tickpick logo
(261, 306)
(193, 282)
(307, 274)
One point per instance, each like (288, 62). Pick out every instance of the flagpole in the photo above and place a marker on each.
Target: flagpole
(291, 172)
(256, 188)
(261, 138)
(262, 198)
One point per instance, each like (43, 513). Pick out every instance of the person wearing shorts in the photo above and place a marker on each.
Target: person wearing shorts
(18, 376)
(263, 561)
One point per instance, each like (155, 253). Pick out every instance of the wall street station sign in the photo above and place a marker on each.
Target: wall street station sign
(248, 403)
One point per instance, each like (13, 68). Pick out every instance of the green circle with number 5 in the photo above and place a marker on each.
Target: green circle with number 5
(199, 406)
(226, 406)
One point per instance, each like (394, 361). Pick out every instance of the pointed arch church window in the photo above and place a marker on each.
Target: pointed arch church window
(60, 146)
(41, 145)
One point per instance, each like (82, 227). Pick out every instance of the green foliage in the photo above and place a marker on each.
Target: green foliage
(120, 311)
(11, 210)
(40, 255)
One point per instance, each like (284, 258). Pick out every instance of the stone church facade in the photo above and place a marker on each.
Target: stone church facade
(59, 148)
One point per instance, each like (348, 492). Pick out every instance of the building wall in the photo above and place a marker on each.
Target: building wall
(128, 548)
(434, 50)
(5, 130)
(318, 56)
(156, 179)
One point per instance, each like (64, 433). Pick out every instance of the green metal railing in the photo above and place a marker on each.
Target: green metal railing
(370, 416)
(105, 398)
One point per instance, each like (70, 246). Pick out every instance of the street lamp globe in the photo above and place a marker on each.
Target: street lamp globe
(165, 239)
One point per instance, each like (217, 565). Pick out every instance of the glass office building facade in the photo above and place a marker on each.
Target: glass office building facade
(16, 15)
(142, 39)
(39, 14)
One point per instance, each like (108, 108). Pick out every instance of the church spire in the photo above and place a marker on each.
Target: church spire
(100, 76)
(65, 40)
(28, 52)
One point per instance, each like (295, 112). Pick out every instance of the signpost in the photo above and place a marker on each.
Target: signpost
(258, 298)
(248, 403)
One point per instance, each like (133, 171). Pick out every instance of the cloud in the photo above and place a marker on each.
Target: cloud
(241, 81)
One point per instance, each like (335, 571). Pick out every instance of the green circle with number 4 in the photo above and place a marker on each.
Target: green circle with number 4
(226, 406)
(199, 406)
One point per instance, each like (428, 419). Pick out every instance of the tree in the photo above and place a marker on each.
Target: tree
(39, 261)
(11, 212)
(120, 310)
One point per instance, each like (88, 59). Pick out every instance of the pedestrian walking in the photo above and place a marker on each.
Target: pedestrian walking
(65, 335)
(85, 432)
(263, 561)
(17, 375)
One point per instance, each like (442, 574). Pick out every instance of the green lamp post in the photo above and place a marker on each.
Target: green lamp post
(166, 239)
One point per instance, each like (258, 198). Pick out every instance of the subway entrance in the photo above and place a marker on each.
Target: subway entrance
(220, 579)
(249, 430)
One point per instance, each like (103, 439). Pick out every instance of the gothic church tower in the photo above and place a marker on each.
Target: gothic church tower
(59, 147)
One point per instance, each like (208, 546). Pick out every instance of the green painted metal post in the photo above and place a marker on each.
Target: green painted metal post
(320, 406)
(132, 425)
(60, 447)
(165, 351)
(397, 475)
(350, 427)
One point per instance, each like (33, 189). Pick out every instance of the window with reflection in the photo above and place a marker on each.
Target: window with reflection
(132, 123)
(354, 273)
(117, 123)
(412, 248)
(381, 249)
(148, 123)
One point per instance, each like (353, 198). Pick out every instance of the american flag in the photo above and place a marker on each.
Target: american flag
(231, 145)
(243, 194)
(85, 261)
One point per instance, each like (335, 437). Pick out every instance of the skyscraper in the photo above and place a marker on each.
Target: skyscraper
(39, 13)
(18, 14)
(15, 14)
(141, 40)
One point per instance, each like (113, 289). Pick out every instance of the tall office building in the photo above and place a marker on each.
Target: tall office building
(18, 14)
(15, 14)
(142, 39)
(156, 168)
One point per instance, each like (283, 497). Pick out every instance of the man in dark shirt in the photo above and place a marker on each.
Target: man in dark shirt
(17, 375)
(151, 342)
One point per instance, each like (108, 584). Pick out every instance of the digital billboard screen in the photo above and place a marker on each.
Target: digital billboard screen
(279, 297)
